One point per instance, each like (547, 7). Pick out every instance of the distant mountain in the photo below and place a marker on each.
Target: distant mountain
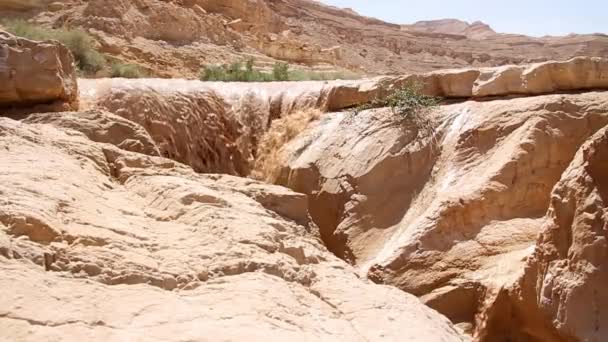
(476, 30)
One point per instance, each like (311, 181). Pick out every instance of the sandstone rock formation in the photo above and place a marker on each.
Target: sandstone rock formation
(23, 5)
(101, 127)
(104, 244)
(175, 38)
(234, 116)
(561, 290)
(451, 214)
(491, 208)
(101, 239)
(476, 30)
(36, 73)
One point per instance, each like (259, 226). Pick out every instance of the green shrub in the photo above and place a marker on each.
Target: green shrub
(80, 43)
(405, 100)
(127, 71)
(82, 46)
(24, 29)
(408, 104)
(236, 72)
(280, 71)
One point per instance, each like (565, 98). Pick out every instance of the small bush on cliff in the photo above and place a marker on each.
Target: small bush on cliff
(80, 43)
(405, 101)
(127, 71)
(408, 104)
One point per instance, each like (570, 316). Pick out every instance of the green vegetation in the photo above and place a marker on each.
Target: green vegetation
(127, 71)
(280, 71)
(409, 105)
(407, 100)
(80, 43)
(234, 73)
(237, 72)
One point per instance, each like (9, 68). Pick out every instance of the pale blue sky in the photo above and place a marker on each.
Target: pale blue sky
(531, 17)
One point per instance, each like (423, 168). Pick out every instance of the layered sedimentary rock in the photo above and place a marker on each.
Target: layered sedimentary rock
(449, 207)
(36, 73)
(217, 127)
(103, 127)
(176, 38)
(476, 30)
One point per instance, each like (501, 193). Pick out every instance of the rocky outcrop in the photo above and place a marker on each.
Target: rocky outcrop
(33, 73)
(449, 208)
(103, 127)
(175, 38)
(255, 16)
(560, 294)
(119, 245)
(476, 30)
(577, 74)
(235, 116)
(216, 127)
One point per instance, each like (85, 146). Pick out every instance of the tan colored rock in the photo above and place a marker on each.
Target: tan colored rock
(544, 78)
(451, 213)
(56, 6)
(22, 5)
(103, 127)
(232, 116)
(174, 38)
(142, 248)
(235, 116)
(581, 73)
(561, 292)
(34, 73)
(476, 30)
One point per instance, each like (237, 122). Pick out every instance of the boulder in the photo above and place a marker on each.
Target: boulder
(33, 73)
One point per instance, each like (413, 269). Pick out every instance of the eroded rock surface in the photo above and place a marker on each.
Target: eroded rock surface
(452, 214)
(560, 294)
(104, 244)
(174, 38)
(33, 73)
(103, 127)
(217, 127)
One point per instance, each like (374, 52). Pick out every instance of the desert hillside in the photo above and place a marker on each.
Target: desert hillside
(457, 197)
(177, 38)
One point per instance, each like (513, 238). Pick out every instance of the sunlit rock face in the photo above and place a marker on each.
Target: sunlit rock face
(177, 38)
(103, 239)
(453, 213)
(126, 219)
(101, 242)
(36, 73)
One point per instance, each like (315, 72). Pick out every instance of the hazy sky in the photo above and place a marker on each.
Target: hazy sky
(531, 17)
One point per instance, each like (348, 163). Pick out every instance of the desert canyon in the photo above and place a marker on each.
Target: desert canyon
(166, 208)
